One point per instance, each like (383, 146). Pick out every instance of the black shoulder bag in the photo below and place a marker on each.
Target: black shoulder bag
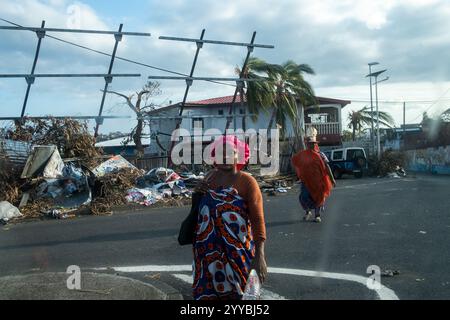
(187, 230)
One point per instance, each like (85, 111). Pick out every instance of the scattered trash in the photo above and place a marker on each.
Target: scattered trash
(8, 211)
(420, 280)
(111, 189)
(422, 232)
(59, 214)
(113, 165)
(390, 273)
(143, 196)
(153, 276)
(44, 161)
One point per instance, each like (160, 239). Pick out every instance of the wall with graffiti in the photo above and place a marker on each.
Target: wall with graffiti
(431, 160)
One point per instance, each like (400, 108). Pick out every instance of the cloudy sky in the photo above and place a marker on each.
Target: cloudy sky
(410, 38)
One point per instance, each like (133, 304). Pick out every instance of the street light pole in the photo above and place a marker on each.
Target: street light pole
(371, 104)
(376, 74)
(378, 115)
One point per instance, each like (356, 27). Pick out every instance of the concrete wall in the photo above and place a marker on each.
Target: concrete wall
(431, 160)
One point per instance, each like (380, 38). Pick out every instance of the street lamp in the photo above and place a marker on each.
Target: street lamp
(371, 102)
(376, 74)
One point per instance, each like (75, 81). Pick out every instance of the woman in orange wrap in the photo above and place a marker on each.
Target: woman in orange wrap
(315, 176)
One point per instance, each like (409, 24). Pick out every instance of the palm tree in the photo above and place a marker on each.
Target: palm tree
(289, 87)
(359, 119)
(283, 85)
(259, 94)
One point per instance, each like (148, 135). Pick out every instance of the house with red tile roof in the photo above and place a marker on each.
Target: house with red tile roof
(212, 113)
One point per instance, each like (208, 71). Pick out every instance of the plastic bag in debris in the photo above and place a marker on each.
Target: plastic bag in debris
(143, 196)
(163, 175)
(253, 287)
(50, 188)
(8, 211)
(73, 172)
(114, 164)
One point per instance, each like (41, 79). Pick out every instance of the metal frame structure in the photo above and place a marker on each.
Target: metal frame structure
(240, 82)
(30, 78)
(42, 31)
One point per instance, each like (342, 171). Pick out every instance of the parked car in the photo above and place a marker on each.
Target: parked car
(347, 161)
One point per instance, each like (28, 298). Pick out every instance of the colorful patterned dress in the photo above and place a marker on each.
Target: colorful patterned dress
(223, 248)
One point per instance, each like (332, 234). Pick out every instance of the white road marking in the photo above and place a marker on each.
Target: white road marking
(368, 184)
(384, 293)
(265, 294)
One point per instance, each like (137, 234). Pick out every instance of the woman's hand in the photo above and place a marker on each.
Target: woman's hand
(259, 262)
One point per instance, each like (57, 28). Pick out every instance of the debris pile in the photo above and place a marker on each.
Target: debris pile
(110, 189)
(71, 137)
(276, 184)
(9, 181)
(391, 164)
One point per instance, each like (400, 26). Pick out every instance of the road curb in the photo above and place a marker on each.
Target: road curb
(94, 286)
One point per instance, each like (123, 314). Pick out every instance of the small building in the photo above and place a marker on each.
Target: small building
(212, 114)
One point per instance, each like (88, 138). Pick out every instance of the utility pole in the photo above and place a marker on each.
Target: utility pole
(376, 74)
(371, 104)
(404, 124)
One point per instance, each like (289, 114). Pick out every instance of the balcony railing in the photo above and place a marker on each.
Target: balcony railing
(325, 128)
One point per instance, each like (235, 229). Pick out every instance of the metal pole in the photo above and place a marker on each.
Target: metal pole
(371, 108)
(188, 85)
(378, 120)
(30, 81)
(108, 79)
(232, 107)
(404, 124)
(188, 82)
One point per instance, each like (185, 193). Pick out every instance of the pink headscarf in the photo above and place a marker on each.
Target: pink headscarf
(241, 148)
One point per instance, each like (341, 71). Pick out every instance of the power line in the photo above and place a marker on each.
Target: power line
(398, 101)
(117, 57)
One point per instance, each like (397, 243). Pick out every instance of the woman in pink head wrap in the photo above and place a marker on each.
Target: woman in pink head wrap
(230, 233)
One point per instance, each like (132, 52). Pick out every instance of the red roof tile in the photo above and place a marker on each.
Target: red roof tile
(219, 100)
(229, 99)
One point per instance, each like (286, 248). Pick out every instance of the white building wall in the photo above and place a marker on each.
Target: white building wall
(168, 125)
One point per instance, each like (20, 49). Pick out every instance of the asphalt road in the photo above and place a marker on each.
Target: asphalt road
(396, 224)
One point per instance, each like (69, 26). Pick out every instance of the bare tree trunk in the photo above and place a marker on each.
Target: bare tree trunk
(137, 137)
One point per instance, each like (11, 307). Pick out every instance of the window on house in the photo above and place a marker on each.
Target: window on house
(197, 123)
(220, 112)
(318, 117)
(241, 111)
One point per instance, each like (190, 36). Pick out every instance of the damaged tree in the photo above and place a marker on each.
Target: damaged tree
(140, 107)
